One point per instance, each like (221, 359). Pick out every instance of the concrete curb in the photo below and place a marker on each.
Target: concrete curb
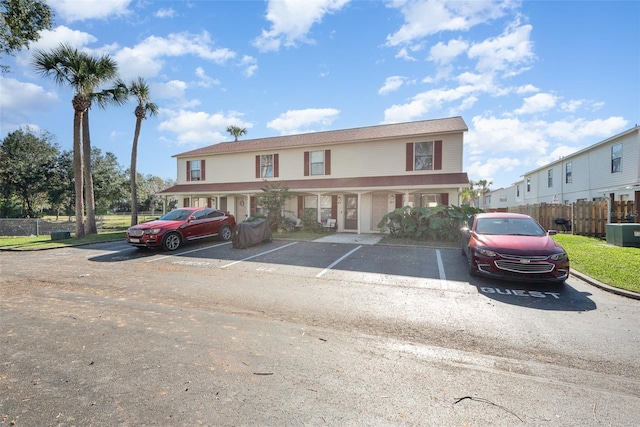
(597, 284)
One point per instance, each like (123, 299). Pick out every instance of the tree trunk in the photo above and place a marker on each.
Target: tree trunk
(90, 202)
(133, 173)
(78, 172)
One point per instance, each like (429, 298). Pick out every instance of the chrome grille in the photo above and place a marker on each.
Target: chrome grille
(525, 267)
(527, 257)
(136, 233)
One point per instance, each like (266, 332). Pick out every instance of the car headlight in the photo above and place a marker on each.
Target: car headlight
(559, 257)
(152, 231)
(486, 252)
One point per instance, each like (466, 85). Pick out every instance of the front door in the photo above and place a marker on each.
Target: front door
(351, 212)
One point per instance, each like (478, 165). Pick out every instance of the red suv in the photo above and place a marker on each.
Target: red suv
(170, 230)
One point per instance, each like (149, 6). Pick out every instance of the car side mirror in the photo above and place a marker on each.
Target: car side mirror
(191, 218)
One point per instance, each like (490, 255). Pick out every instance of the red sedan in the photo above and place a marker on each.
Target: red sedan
(513, 247)
(179, 225)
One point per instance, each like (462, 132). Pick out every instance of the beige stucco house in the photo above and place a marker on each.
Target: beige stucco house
(354, 176)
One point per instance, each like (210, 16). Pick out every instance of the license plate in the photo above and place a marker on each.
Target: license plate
(134, 240)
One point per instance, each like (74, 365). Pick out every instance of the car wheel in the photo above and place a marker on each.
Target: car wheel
(225, 233)
(171, 242)
(472, 270)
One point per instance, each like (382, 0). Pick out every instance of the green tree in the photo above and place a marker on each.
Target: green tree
(60, 190)
(140, 90)
(236, 131)
(20, 23)
(273, 199)
(110, 181)
(83, 73)
(28, 162)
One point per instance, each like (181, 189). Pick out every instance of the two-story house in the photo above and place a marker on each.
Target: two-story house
(355, 176)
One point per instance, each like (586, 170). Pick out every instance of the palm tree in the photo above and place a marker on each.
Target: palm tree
(236, 131)
(140, 90)
(84, 74)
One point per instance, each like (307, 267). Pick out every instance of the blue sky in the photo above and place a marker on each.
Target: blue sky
(534, 80)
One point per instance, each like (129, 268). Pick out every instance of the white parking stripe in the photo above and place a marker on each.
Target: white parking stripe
(188, 252)
(257, 255)
(443, 277)
(337, 261)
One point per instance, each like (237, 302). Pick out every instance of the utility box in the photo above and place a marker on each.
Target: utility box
(60, 235)
(627, 235)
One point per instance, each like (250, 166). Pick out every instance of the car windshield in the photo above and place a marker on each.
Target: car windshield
(176, 215)
(509, 227)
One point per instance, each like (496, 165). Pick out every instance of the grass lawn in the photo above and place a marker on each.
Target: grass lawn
(616, 266)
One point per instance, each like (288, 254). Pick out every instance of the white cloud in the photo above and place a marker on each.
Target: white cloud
(250, 65)
(535, 142)
(298, 121)
(446, 53)
(537, 103)
(74, 10)
(291, 20)
(165, 12)
(145, 58)
(205, 81)
(199, 128)
(20, 97)
(492, 166)
(426, 17)
(427, 101)
(392, 84)
(509, 53)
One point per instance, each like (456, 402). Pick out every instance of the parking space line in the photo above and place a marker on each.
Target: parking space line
(257, 255)
(333, 264)
(187, 252)
(443, 277)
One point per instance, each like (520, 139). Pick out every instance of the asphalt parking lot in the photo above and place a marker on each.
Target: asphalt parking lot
(305, 333)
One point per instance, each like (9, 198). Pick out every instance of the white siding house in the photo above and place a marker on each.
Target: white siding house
(609, 169)
(355, 176)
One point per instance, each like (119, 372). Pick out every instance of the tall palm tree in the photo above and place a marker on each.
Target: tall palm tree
(117, 95)
(84, 74)
(236, 131)
(140, 90)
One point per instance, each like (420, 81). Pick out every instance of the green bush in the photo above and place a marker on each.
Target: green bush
(439, 223)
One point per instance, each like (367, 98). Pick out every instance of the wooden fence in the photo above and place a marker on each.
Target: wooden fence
(587, 218)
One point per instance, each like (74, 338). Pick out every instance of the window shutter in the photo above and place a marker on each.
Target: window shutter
(437, 155)
(185, 202)
(252, 205)
(327, 163)
(202, 178)
(300, 206)
(334, 206)
(409, 156)
(258, 166)
(444, 199)
(306, 163)
(188, 170)
(276, 165)
(208, 202)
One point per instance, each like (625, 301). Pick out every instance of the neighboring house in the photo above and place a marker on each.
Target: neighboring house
(609, 170)
(355, 176)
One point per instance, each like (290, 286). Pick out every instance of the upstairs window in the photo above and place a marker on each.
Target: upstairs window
(195, 170)
(267, 166)
(568, 173)
(616, 158)
(424, 156)
(528, 185)
(550, 178)
(317, 162)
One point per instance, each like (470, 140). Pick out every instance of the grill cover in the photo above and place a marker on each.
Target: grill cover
(251, 233)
